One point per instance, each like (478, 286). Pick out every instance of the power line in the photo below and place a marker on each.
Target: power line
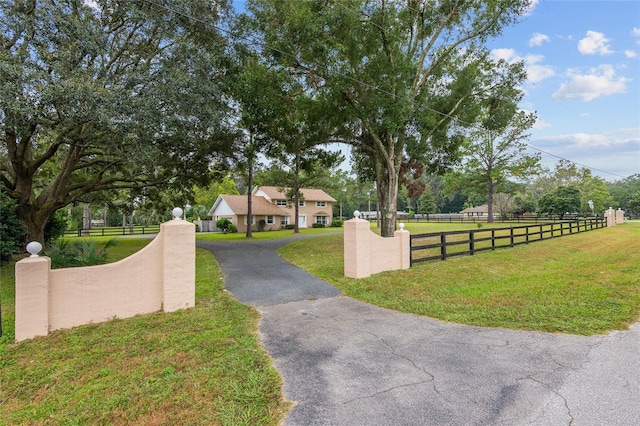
(316, 66)
(575, 162)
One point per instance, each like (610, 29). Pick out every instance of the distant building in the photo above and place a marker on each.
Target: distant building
(269, 204)
(479, 211)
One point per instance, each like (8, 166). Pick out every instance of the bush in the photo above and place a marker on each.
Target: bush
(261, 225)
(232, 228)
(223, 224)
(80, 253)
(55, 227)
(289, 226)
(337, 223)
(318, 225)
(12, 230)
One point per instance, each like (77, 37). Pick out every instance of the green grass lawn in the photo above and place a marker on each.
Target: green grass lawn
(264, 235)
(203, 365)
(587, 283)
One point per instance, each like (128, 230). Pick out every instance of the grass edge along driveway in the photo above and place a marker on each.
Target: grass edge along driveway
(585, 284)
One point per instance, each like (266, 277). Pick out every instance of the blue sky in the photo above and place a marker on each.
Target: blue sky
(583, 63)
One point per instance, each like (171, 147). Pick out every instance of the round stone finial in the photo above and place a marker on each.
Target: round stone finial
(356, 214)
(176, 212)
(401, 226)
(34, 248)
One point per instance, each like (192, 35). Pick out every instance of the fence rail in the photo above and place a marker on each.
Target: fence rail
(114, 231)
(441, 245)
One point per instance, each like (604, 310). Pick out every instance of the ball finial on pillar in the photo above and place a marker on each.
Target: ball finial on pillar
(176, 212)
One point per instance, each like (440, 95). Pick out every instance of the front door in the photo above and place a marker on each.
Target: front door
(302, 221)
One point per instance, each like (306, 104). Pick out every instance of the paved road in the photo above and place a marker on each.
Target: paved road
(345, 362)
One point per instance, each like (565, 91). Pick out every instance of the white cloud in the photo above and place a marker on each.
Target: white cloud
(509, 55)
(594, 43)
(630, 53)
(615, 152)
(532, 5)
(537, 72)
(636, 32)
(601, 81)
(538, 39)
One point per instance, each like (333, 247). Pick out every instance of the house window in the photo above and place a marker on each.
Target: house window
(301, 203)
(322, 219)
(270, 220)
(253, 220)
(281, 203)
(284, 220)
(321, 204)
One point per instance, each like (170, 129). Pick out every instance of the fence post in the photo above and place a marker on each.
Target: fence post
(443, 246)
(493, 239)
(511, 236)
(471, 243)
(32, 295)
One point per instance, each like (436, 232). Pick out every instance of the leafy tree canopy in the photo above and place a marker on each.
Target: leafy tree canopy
(403, 77)
(563, 200)
(108, 96)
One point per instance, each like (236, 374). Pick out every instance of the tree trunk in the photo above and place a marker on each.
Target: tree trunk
(296, 194)
(490, 200)
(387, 183)
(35, 220)
(86, 216)
(249, 233)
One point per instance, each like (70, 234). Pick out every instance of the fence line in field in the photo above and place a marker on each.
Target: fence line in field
(440, 245)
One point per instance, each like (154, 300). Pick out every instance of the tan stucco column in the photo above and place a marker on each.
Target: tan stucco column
(32, 297)
(610, 215)
(404, 251)
(357, 248)
(179, 264)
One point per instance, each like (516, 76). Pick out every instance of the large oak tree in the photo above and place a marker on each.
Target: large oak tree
(107, 95)
(403, 75)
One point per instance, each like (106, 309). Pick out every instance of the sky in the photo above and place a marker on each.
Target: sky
(583, 65)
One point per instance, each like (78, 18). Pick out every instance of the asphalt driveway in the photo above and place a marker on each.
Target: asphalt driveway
(345, 362)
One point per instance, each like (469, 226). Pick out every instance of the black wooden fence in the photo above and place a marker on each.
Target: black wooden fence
(114, 231)
(440, 245)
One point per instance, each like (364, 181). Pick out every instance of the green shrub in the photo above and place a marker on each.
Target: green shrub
(318, 225)
(80, 253)
(12, 230)
(223, 224)
(290, 226)
(337, 223)
(261, 225)
(232, 228)
(55, 227)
